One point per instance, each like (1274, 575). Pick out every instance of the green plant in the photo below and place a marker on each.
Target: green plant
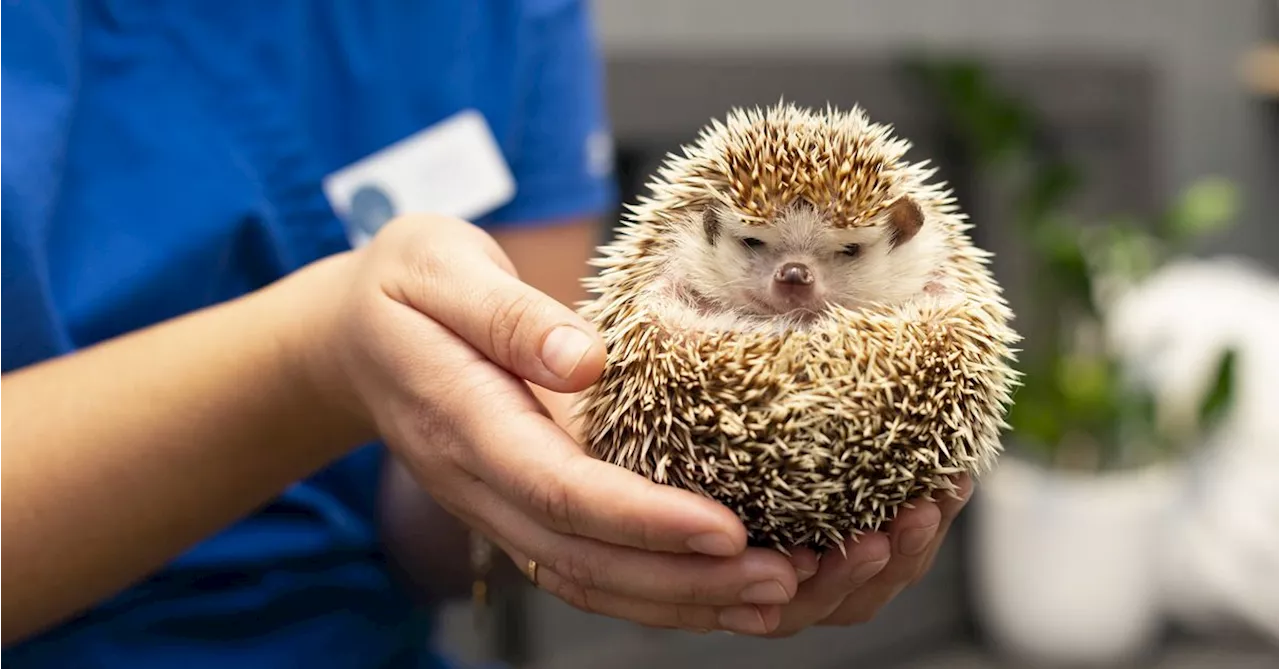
(1077, 406)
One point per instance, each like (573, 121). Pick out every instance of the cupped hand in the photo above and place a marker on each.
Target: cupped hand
(852, 588)
(432, 343)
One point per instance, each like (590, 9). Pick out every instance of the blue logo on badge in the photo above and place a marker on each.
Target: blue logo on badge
(370, 209)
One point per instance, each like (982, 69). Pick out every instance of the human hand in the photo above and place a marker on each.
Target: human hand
(432, 341)
(840, 590)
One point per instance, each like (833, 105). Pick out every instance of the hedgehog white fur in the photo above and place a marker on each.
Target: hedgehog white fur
(811, 429)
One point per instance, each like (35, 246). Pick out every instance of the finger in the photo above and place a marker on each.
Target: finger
(756, 576)
(837, 577)
(519, 328)
(535, 466)
(743, 619)
(951, 503)
(910, 533)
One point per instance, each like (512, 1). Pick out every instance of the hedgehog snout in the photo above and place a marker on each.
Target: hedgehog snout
(794, 285)
(794, 274)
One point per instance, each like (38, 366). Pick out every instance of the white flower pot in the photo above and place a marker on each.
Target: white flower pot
(1064, 564)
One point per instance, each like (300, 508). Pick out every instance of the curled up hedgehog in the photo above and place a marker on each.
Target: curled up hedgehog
(798, 327)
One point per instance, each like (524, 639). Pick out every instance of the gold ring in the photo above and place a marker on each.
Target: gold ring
(532, 571)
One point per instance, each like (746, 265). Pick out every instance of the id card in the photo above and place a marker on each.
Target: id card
(454, 168)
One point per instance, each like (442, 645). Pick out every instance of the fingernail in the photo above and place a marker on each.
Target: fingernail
(744, 619)
(766, 592)
(713, 544)
(914, 541)
(563, 349)
(866, 572)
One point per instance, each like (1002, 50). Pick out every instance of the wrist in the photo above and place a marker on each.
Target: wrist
(313, 297)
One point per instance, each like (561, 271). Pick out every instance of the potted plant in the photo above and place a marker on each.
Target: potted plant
(1063, 559)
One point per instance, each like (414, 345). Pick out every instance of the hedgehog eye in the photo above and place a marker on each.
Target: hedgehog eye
(752, 242)
(852, 250)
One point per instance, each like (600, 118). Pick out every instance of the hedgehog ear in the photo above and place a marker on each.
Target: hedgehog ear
(905, 220)
(711, 224)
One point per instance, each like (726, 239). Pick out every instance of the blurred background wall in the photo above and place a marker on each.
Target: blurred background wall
(1147, 96)
(1205, 121)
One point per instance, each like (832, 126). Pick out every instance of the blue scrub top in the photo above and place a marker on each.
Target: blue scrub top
(160, 157)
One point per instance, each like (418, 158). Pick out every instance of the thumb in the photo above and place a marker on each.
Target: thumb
(519, 328)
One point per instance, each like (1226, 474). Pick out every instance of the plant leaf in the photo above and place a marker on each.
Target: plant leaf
(1058, 244)
(1207, 206)
(1217, 400)
(1049, 189)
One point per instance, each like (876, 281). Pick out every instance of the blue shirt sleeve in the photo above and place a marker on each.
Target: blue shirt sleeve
(564, 164)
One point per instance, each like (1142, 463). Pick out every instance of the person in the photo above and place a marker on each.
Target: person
(234, 437)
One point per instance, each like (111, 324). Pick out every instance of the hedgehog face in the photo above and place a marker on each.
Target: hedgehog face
(798, 262)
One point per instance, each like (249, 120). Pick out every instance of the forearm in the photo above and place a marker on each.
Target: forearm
(119, 457)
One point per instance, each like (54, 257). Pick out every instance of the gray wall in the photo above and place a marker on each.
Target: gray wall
(1207, 122)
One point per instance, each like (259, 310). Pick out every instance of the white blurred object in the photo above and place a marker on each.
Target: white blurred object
(1063, 563)
(1219, 550)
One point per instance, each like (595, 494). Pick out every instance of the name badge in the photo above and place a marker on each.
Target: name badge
(454, 168)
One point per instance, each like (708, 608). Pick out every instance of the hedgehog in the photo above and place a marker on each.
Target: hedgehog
(798, 327)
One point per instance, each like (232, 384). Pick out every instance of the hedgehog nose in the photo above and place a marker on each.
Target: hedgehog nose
(794, 274)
